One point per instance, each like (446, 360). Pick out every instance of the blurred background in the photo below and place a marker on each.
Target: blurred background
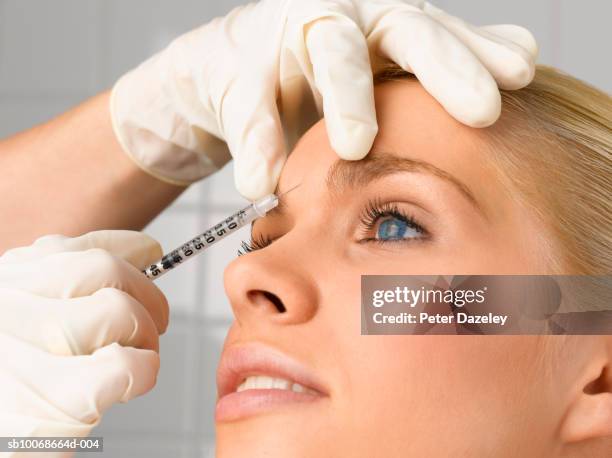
(56, 53)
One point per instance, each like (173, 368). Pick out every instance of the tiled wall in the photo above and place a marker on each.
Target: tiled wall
(55, 53)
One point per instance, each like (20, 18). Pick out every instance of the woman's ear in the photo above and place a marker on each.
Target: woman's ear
(590, 414)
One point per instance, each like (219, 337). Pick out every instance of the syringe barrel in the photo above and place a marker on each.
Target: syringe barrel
(211, 236)
(265, 204)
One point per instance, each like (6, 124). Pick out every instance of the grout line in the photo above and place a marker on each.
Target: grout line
(199, 295)
(188, 321)
(2, 15)
(102, 63)
(189, 427)
(555, 33)
(208, 324)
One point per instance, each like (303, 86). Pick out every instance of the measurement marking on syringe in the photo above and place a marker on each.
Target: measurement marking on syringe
(211, 236)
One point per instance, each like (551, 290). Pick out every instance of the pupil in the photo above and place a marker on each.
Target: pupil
(392, 228)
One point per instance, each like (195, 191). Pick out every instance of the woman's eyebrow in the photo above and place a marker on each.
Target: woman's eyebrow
(343, 174)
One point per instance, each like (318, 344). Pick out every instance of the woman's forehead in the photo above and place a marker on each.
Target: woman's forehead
(412, 125)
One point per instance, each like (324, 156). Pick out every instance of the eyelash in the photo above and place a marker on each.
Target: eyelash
(254, 245)
(373, 211)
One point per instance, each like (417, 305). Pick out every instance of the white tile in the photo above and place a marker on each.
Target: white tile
(48, 46)
(18, 114)
(207, 450)
(161, 410)
(191, 198)
(585, 38)
(139, 28)
(222, 191)
(533, 15)
(214, 303)
(146, 447)
(210, 340)
(171, 229)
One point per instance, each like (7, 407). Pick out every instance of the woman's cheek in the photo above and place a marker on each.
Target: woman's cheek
(415, 261)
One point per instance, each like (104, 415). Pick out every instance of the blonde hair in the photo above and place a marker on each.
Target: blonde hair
(553, 143)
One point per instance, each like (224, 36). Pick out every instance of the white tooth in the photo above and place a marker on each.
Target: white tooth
(264, 382)
(281, 384)
(267, 383)
(298, 388)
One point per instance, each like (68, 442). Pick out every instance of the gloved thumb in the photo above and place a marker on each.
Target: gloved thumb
(120, 374)
(137, 248)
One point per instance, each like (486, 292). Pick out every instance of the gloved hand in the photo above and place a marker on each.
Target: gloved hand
(78, 331)
(218, 89)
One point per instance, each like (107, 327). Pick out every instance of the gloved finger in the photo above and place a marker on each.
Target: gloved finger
(137, 248)
(251, 126)
(40, 247)
(517, 34)
(510, 64)
(445, 67)
(325, 39)
(81, 273)
(74, 388)
(77, 326)
(120, 374)
(340, 62)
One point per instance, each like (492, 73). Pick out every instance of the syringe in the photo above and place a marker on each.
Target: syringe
(211, 236)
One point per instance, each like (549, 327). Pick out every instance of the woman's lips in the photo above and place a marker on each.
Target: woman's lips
(254, 378)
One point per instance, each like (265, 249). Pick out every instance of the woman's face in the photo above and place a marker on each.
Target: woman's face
(426, 201)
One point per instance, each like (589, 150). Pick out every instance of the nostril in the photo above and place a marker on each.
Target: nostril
(263, 299)
(276, 301)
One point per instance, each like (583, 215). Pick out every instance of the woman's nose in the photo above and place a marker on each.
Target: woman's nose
(270, 286)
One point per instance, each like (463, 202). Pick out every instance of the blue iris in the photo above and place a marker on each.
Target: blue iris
(395, 228)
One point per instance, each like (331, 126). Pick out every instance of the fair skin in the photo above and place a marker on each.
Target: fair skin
(391, 396)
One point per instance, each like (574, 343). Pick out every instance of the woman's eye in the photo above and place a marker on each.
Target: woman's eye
(394, 228)
(386, 222)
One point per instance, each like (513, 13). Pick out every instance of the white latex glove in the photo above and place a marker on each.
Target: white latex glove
(78, 331)
(221, 86)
